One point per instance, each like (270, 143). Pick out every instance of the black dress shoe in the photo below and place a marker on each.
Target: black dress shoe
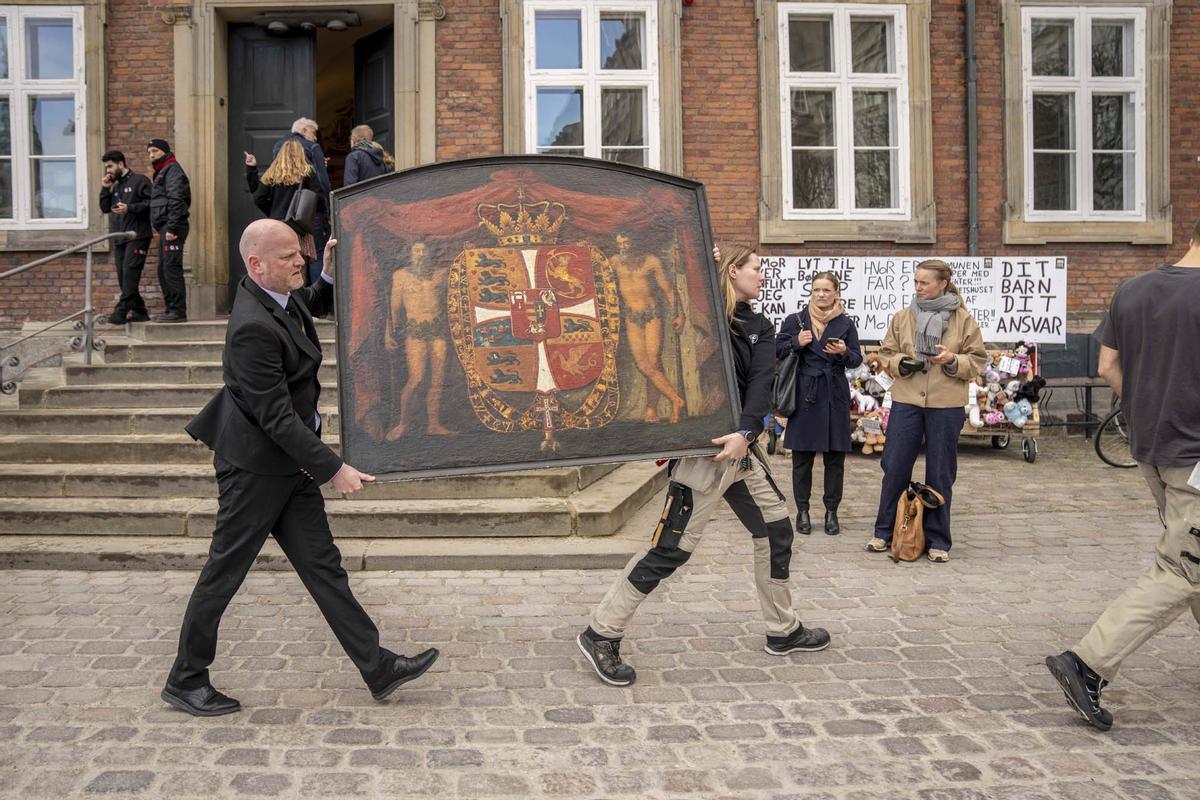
(399, 670)
(831, 523)
(803, 522)
(203, 702)
(170, 316)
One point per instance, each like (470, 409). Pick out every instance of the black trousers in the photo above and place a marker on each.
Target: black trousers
(170, 272)
(292, 509)
(129, 259)
(802, 470)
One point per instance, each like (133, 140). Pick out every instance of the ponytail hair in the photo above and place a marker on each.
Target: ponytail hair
(732, 255)
(944, 273)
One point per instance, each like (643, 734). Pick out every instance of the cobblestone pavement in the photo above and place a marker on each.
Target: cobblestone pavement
(934, 687)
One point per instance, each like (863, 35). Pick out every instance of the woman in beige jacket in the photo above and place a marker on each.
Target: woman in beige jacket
(933, 349)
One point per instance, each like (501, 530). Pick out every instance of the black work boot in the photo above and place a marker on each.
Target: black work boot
(805, 639)
(832, 527)
(605, 657)
(803, 522)
(1081, 686)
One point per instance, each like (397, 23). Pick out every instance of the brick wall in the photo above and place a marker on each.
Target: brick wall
(470, 102)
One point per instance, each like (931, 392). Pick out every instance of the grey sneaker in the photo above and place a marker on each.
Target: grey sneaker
(1081, 686)
(804, 639)
(605, 658)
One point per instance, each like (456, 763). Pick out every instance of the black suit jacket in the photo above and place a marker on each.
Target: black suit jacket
(263, 419)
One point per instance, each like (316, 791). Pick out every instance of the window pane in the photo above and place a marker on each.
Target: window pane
(1054, 122)
(560, 117)
(3, 48)
(559, 40)
(1111, 174)
(5, 129)
(812, 118)
(873, 119)
(809, 46)
(1112, 122)
(1052, 47)
(875, 179)
(561, 151)
(6, 196)
(1112, 48)
(1054, 181)
(871, 45)
(635, 156)
(622, 117)
(49, 50)
(52, 124)
(621, 41)
(814, 179)
(53, 188)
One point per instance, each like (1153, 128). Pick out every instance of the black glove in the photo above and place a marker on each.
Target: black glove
(909, 365)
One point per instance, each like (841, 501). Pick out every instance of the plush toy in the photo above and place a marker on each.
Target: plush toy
(869, 433)
(1018, 412)
(862, 402)
(1012, 387)
(994, 418)
(991, 375)
(1031, 390)
(974, 389)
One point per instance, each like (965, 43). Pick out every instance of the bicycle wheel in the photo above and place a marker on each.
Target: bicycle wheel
(1112, 441)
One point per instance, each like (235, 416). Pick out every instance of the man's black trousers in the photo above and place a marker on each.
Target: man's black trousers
(170, 272)
(251, 507)
(129, 258)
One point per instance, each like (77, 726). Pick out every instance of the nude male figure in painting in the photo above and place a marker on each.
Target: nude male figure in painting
(641, 281)
(418, 316)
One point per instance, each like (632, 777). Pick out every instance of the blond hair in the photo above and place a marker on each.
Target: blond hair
(732, 256)
(290, 167)
(943, 272)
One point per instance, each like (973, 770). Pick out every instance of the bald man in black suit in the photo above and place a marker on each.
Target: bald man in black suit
(264, 428)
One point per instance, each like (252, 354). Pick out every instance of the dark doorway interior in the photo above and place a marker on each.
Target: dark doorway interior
(324, 75)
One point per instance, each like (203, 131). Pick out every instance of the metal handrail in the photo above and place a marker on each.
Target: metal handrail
(88, 342)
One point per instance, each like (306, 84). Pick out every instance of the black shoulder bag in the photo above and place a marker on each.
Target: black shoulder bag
(302, 210)
(783, 388)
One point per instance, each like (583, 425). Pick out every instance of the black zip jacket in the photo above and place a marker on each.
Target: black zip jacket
(170, 199)
(274, 201)
(363, 162)
(753, 339)
(133, 190)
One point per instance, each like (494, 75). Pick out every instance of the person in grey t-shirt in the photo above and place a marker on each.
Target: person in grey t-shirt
(1150, 356)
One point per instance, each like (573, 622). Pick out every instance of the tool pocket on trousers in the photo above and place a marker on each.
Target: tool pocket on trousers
(700, 474)
(676, 514)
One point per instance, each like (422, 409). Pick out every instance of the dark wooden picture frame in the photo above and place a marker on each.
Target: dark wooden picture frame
(516, 312)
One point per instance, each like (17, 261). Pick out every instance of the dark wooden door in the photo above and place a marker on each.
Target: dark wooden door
(375, 85)
(272, 83)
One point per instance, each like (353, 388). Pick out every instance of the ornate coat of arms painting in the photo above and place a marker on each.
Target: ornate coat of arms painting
(527, 311)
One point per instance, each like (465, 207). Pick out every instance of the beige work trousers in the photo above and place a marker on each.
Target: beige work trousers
(1169, 587)
(758, 507)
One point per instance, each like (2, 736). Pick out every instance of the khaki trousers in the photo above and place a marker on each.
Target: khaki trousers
(757, 505)
(1169, 587)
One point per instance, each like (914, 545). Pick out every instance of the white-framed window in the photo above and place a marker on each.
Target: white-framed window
(592, 80)
(42, 131)
(844, 111)
(1084, 101)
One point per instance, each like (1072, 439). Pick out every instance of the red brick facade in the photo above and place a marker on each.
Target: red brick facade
(720, 132)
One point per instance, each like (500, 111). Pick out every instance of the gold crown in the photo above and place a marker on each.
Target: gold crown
(522, 223)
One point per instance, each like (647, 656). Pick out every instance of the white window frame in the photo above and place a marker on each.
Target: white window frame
(590, 76)
(19, 89)
(1082, 85)
(843, 83)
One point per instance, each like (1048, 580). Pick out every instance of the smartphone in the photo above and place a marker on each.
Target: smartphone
(833, 340)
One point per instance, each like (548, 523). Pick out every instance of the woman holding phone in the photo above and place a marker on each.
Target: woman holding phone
(827, 342)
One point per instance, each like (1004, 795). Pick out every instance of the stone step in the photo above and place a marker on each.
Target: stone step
(176, 448)
(207, 351)
(139, 373)
(113, 421)
(594, 511)
(199, 330)
(197, 481)
(190, 396)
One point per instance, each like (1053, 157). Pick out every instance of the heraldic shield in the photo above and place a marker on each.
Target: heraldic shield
(535, 324)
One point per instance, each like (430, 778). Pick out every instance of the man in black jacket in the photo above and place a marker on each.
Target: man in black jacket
(170, 201)
(270, 461)
(125, 196)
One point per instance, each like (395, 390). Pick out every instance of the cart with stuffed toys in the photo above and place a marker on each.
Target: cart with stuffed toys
(1001, 403)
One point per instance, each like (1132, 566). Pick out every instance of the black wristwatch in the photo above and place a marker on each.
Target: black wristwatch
(748, 435)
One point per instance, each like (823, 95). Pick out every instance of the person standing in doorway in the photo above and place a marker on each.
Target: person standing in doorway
(304, 131)
(170, 204)
(367, 158)
(265, 431)
(1148, 356)
(933, 349)
(827, 341)
(125, 197)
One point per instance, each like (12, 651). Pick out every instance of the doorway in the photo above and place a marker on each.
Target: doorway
(339, 78)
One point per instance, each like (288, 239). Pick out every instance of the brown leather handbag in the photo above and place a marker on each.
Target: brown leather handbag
(908, 534)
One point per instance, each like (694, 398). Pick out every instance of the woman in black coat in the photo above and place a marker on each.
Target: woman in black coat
(289, 173)
(827, 342)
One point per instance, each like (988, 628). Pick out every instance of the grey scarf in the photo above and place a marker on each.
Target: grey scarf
(931, 318)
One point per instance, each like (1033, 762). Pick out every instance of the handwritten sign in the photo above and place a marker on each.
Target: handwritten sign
(1013, 298)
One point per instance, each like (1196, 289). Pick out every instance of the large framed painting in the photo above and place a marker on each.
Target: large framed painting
(527, 311)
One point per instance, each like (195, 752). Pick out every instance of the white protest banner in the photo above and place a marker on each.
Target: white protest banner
(1013, 298)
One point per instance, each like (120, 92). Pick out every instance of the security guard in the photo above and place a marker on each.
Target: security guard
(125, 197)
